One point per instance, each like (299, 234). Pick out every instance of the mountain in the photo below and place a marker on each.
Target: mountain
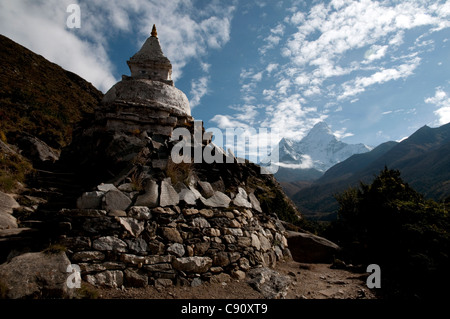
(310, 157)
(423, 160)
(40, 106)
(39, 98)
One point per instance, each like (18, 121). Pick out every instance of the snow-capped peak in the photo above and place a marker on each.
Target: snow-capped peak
(320, 146)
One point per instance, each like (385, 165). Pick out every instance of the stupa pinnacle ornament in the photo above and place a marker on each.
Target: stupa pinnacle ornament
(154, 33)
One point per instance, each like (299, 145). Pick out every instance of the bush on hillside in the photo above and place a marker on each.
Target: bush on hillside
(388, 223)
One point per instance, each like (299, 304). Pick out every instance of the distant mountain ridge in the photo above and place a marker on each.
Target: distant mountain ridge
(423, 160)
(310, 157)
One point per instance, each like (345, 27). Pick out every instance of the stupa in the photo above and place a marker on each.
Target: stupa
(147, 100)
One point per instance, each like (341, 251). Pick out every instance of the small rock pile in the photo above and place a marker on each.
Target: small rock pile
(167, 234)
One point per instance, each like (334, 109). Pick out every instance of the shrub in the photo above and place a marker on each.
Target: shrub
(13, 168)
(179, 172)
(390, 224)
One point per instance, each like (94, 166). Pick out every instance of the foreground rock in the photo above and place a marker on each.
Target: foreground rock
(7, 205)
(309, 248)
(36, 275)
(270, 283)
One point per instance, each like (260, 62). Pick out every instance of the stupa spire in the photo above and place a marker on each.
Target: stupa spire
(150, 62)
(154, 33)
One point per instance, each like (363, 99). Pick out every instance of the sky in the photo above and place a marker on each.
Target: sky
(374, 71)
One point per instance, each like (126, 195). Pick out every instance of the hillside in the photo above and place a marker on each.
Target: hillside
(423, 159)
(40, 98)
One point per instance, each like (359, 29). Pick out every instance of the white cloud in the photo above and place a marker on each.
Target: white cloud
(328, 34)
(199, 88)
(375, 52)
(340, 134)
(41, 27)
(360, 84)
(306, 163)
(442, 100)
(271, 67)
(227, 121)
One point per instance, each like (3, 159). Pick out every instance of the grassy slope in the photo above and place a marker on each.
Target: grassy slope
(40, 98)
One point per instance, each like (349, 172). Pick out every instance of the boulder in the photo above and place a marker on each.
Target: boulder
(90, 200)
(187, 196)
(169, 196)
(36, 149)
(7, 221)
(116, 200)
(270, 283)
(241, 199)
(196, 193)
(36, 275)
(265, 243)
(192, 264)
(150, 197)
(7, 203)
(205, 189)
(219, 199)
(255, 202)
(309, 248)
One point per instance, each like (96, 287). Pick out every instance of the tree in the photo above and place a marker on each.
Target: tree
(388, 223)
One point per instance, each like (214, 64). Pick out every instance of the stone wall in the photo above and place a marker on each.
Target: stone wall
(165, 235)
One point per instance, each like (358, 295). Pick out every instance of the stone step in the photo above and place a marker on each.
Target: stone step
(7, 234)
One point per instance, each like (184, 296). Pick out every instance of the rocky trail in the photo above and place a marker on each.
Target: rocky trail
(307, 281)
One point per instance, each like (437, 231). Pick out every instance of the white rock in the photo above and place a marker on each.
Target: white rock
(219, 199)
(140, 212)
(200, 222)
(168, 196)
(241, 199)
(133, 226)
(106, 187)
(176, 249)
(109, 243)
(187, 196)
(90, 200)
(193, 264)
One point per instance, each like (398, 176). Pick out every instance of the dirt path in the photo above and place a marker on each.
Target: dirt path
(310, 281)
(319, 281)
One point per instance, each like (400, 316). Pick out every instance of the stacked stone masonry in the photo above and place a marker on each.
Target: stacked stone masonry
(117, 243)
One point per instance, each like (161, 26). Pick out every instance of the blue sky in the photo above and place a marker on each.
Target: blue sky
(373, 70)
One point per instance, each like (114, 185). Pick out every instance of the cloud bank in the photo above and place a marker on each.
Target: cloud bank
(189, 32)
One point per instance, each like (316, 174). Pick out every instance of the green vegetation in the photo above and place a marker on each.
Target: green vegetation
(86, 291)
(54, 249)
(179, 173)
(388, 223)
(13, 168)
